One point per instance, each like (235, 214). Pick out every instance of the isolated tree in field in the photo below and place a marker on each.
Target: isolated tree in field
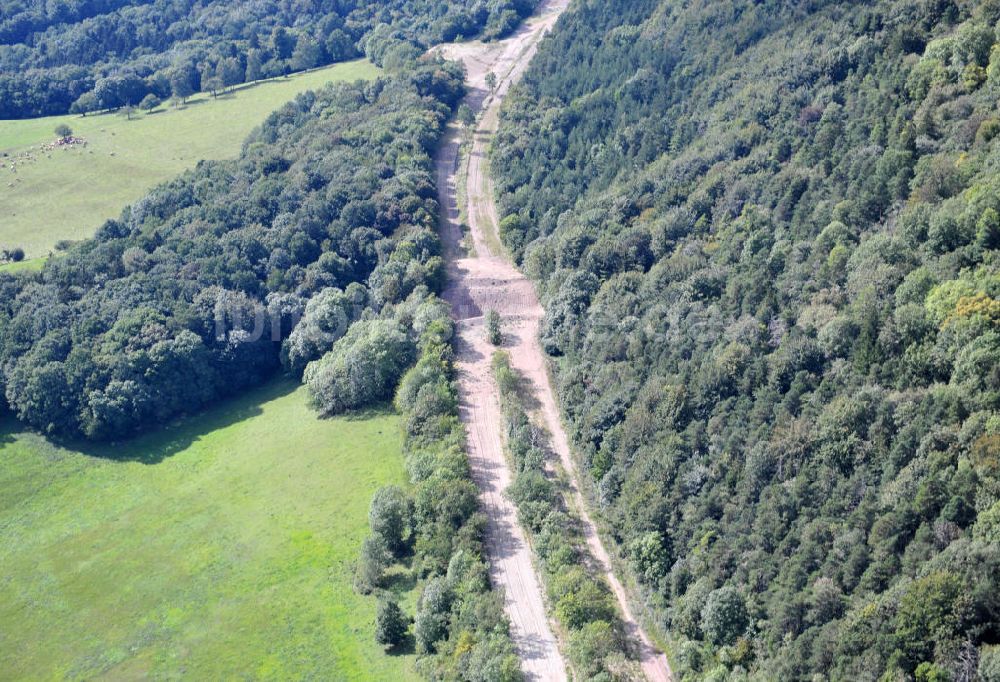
(491, 81)
(493, 332)
(390, 623)
(15, 255)
(182, 83)
(465, 115)
(389, 518)
(63, 131)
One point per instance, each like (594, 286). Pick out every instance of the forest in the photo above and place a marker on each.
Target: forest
(89, 55)
(766, 237)
(192, 294)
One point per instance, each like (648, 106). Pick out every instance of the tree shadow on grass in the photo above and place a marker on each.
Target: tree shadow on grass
(400, 582)
(161, 443)
(383, 409)
(407, 647)
(8, 428)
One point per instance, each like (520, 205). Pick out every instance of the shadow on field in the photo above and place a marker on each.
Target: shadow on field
(8, 427)
(407, 647)
(157, 445)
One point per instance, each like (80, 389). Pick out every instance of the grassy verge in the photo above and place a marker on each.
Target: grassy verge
(462, 189)
(579, 596)
(221, 547)
(67, 192)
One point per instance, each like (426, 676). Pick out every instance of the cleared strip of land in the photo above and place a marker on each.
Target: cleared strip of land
(486, 280)
(511, 566)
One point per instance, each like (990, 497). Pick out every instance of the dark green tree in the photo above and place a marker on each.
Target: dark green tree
(391, 623)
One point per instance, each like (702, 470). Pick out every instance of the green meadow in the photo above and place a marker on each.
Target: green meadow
(221, 547)
(67, 192)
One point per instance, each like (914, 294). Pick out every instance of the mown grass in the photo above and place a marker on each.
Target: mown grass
(221, 547)
(68, 192)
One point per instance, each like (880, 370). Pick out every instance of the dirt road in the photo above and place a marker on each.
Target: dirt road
(471, 281)
(484, 279)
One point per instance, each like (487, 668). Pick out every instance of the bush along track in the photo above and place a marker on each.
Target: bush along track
(579, 597)
(436, 529)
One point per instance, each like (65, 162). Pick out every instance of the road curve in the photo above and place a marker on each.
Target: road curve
(484, 279)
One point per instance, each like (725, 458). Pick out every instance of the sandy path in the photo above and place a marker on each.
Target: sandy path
(488, 280)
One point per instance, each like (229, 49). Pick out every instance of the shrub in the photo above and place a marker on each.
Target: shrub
(494, 334)
(389, 518)
(361, 369)
(372, 562)
(590, 645)
(149, 102)
(433, 614)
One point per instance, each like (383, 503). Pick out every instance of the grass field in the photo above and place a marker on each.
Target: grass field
(30, 265)
(68, 192)
(219, 548)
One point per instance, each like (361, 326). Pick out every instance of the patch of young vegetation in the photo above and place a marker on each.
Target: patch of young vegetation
(766, 235)
(96, 55)
(581, 600)
(50, 193)
(222, 546)
(30, 265)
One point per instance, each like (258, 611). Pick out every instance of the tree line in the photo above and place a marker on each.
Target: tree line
(93, 55)
(766, 237)
(434, 530)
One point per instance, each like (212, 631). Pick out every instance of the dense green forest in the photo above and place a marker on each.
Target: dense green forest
(766, 237)
(193, 292)
(88, 55)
